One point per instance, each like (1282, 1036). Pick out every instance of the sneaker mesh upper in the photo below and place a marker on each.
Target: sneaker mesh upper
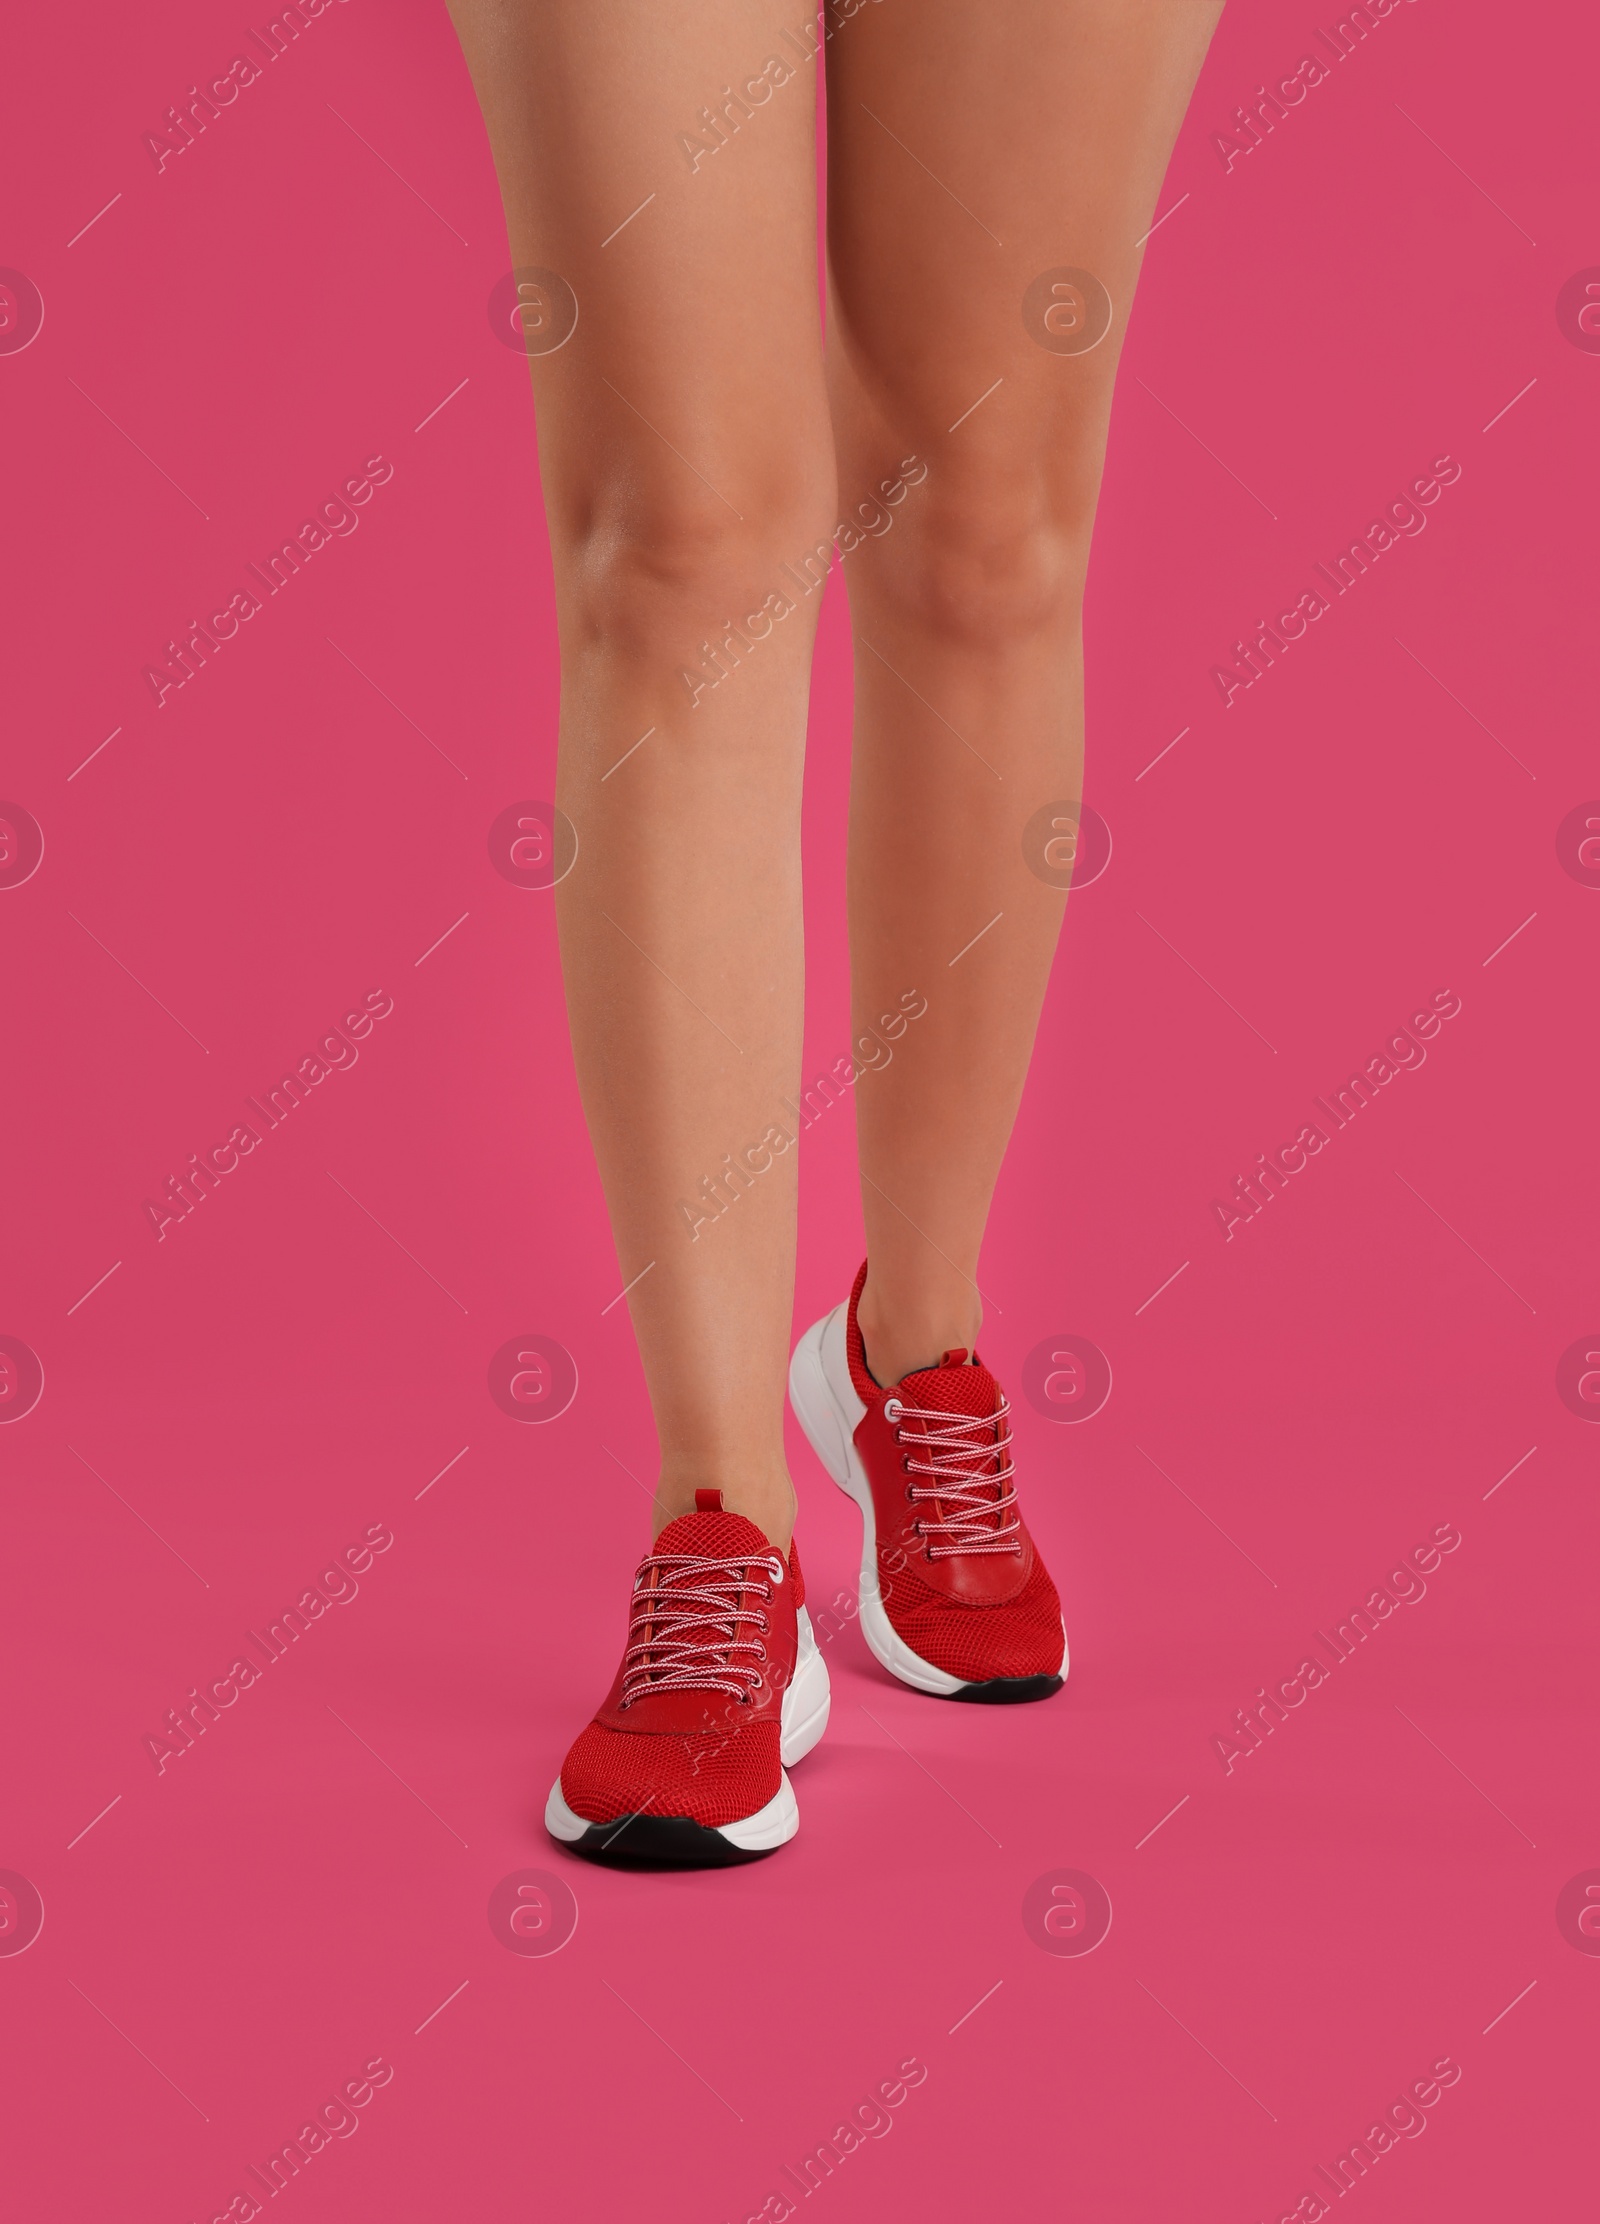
(716, 1774)
(1016, 1637)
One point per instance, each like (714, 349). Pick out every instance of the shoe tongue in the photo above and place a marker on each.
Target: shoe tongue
(717, 1534)
(969, 1392)
(952, 1387)
(712, 1534)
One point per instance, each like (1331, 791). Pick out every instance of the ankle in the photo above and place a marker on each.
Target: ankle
(766, 1499)
(900, 1340)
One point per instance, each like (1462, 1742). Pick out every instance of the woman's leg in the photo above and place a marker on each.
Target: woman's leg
(1047, 128)
(686, 455)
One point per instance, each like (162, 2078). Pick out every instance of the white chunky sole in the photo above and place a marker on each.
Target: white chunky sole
(674, 1838)
(827, 1408)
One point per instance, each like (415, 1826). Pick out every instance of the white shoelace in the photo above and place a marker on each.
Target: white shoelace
(687, 1630)
(969, 1460)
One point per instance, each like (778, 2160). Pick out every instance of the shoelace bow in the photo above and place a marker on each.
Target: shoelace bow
(690, 1613)
(969, 1459)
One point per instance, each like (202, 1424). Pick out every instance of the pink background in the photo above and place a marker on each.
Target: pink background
(1302, 1938)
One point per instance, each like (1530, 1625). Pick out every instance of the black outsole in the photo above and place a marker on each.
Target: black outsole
(1008, 1691)
(662, 1842)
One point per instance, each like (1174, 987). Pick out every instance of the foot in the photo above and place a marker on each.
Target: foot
(955, 1599)
(721, 1685)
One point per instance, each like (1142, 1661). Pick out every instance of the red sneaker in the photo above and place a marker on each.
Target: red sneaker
(955, 1599)
(722, 1684)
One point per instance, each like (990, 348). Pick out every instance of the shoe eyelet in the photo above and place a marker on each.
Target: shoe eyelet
(892, 1409)
(776, 1565)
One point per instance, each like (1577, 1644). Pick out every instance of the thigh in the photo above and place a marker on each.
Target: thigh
(659, 162)
(991, 172)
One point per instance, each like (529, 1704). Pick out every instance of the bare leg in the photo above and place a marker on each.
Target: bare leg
(685, 453)
(1049, 128)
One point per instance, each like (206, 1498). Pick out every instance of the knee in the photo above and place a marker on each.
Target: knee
(992, 578)
(659, 575)
(995, 549)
